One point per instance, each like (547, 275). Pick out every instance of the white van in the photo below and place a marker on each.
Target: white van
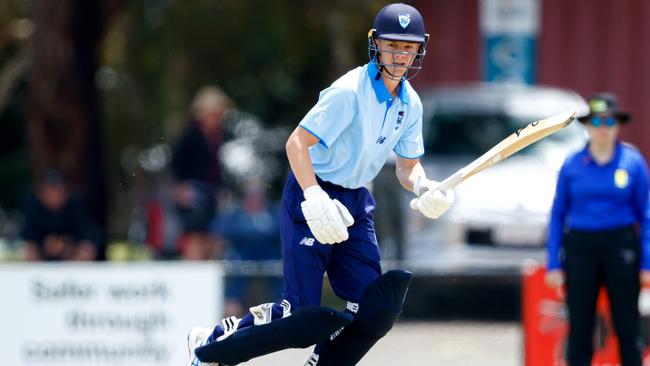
(500, 216)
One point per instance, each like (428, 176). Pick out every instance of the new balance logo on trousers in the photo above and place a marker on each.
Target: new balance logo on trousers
(307, 241)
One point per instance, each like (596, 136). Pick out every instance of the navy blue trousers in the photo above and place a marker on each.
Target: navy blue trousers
(351, 266)
(610, 258)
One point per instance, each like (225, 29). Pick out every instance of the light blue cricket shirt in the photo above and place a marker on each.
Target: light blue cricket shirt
(359, 123)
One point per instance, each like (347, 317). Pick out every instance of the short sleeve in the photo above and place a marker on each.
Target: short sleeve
(410, 144)
(335, 110)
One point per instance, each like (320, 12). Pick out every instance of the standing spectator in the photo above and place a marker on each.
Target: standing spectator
(251, 228)
(56, 227)
(601, 222)
(197, 171)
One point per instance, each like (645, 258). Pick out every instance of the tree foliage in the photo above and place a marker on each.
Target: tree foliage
(271, 57)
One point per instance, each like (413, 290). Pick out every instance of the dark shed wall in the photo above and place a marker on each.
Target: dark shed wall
(585, 45)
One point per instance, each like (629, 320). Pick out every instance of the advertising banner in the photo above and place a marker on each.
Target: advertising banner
(105, 314)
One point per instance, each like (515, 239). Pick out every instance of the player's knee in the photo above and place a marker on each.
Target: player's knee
(382, 302)
(377, 312)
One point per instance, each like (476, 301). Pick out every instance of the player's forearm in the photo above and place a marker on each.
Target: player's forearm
(300, 161)
(407, 174)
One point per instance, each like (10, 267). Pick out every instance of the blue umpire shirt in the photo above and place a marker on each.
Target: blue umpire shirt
(358, 123)
(593, 197)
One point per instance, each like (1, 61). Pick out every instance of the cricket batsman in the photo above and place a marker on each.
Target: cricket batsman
(326, 213)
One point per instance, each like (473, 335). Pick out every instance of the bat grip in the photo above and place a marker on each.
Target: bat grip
(451, 182)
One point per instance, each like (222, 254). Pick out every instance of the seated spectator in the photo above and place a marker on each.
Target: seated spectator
(252, 231)
(56, 227)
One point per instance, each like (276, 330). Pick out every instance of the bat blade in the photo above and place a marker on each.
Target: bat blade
(518, 140)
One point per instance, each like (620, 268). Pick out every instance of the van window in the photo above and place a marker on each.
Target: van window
(450, 134)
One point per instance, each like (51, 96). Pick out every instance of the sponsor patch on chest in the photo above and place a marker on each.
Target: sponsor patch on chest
(400, 119)
(621, 178)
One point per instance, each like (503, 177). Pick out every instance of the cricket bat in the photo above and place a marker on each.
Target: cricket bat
(518, 140)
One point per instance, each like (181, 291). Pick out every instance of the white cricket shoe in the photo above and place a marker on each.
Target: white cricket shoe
(197, 337)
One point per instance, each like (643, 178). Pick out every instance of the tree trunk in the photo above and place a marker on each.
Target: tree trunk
(63, 115)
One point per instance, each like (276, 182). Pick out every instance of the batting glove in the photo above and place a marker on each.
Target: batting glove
(327, 218)
(423, 184)
(432, 202)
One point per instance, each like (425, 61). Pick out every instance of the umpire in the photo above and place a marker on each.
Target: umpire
(599, 233)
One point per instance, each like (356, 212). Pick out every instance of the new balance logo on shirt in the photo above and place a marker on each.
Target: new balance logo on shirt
(307, 241)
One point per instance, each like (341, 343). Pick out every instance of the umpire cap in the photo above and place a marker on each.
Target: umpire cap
(400, 22)
(605, 104)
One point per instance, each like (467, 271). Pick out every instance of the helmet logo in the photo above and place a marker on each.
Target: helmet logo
(404, 20)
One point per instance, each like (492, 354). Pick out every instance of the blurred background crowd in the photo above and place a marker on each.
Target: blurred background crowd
(156, 129)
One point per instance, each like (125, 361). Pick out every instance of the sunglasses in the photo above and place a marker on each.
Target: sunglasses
(598, 121)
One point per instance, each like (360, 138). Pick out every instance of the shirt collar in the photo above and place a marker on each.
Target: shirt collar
(587, 158)
(380, 88)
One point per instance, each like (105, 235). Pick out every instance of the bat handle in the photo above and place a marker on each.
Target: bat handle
(451, 182)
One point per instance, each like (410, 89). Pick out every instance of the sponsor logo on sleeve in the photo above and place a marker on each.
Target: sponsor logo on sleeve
(320, 117)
